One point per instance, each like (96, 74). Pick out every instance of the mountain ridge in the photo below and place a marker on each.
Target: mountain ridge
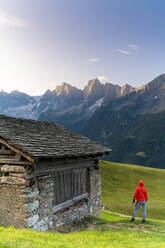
(121, 117)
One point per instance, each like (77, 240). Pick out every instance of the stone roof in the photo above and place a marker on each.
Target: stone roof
(44, 139)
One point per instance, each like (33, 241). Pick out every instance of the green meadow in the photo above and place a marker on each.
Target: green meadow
(119, 182)
(113, 229)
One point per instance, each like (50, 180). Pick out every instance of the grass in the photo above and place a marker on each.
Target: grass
(119, 182)
(113, 230)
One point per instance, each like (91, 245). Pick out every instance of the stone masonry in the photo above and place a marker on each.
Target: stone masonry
(31, 205)
(40, 204)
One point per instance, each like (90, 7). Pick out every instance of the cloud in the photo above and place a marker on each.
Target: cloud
(94, 60)
(133, 47)
(125, 52)
(102, 78)
(10, 20)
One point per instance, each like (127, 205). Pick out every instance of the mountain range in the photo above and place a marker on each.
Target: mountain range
(130, 120)
(63, 98)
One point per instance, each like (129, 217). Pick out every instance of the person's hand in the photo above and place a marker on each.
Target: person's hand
(133, 201)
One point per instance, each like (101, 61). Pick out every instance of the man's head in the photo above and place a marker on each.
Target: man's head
(141, 183)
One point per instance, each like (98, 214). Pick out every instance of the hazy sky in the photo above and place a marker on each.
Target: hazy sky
(46, 42)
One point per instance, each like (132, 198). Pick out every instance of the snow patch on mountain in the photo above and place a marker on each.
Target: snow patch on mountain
(24, 111)
(96, 105)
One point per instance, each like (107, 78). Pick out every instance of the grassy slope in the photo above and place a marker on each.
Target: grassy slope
(119, 182)
(112, 230)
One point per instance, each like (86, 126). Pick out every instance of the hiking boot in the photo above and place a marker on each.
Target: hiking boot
(143, 221)
(132, 220)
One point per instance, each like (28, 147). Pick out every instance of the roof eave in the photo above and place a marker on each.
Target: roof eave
(96, 154)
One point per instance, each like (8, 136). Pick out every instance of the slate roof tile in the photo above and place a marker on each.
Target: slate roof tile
(44, 139)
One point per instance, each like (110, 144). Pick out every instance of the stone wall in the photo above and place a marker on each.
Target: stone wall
(14, 182)
(95, 192)
(12, 206)
(32, 205)
(42, 217)
(40, 209)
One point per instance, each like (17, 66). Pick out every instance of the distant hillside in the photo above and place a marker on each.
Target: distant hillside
(133, 126)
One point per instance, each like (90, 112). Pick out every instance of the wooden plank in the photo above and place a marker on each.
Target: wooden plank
(49, 170)
(18, 156)
(13, 161)
(58, 187)
(65, 185)
(68, 185)
(61, 186)
(54, 191)
(85, 179)
(82, 180)
(62, 165)
(22, 175)
(75, 186)
(79, 182)
(6, 152)
(13, 168)
(72, 183)
(69, 202)
(81, 174)
(7, 156)
(15, 149)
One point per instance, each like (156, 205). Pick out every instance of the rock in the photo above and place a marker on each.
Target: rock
(31, 195)
(33, 220)
(32, 206)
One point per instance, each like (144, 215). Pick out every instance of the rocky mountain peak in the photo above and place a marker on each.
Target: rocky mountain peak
(62, 89)
(18, 93)
(160, 77)
(66, 89)
(3, 93)
(157, 84)
(126, 89)
(93, 87)
(48, 93)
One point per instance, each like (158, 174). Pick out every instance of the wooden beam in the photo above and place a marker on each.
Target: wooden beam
(13, 161)
(49, 170)
(6, 156)
(3, 147)
(13, 168)
(69, 203)
(18, 156)
(15, 149)
(6, 152)
(22, 175)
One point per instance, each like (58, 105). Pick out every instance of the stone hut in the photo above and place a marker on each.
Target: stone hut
(49, 175)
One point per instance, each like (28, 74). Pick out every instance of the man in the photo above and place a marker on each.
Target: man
(141, 197)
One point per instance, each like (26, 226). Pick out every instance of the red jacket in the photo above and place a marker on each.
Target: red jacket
(140, 192)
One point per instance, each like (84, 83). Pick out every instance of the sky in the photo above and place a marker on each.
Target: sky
(46, 42)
